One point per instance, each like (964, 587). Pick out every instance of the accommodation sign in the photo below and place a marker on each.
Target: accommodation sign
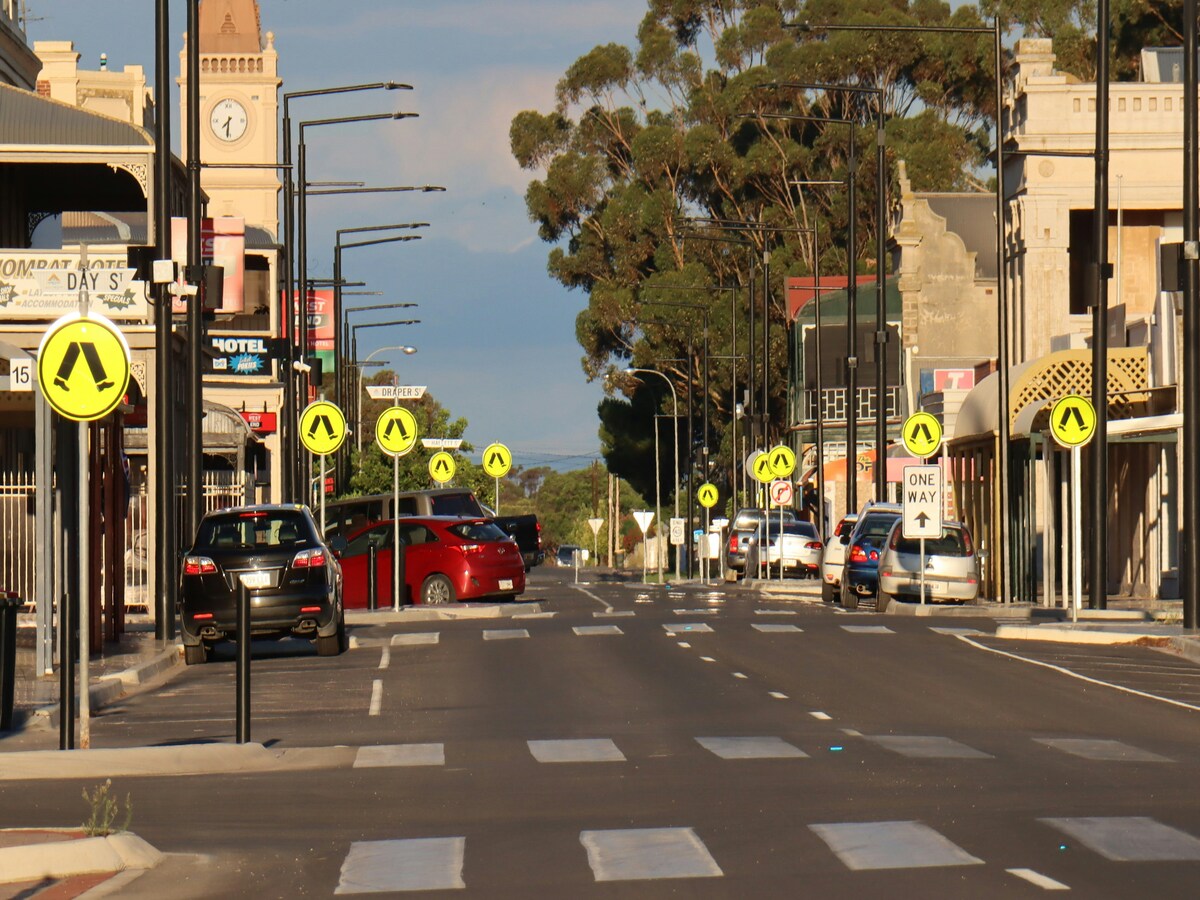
(26, 292)
(240, 354)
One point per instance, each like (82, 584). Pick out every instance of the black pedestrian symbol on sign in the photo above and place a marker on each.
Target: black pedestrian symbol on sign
(321, 420)
(1072, 412)
(395, 423)
(496, 460)
(919, 430)
(442, 466)
(92, 356)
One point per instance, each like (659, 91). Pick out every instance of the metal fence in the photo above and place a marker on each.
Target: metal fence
(18, 541)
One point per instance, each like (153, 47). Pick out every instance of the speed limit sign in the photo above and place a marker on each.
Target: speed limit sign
(781, 493)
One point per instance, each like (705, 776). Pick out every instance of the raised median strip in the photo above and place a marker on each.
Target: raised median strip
(438, 613)
(42, 859)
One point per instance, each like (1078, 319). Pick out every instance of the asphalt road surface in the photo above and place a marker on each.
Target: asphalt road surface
(634, 742)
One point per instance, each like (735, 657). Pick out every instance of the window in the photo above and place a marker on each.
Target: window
(263, 530)
(479, 531)
(951, 543)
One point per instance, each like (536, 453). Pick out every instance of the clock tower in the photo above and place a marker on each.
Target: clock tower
(239, 111)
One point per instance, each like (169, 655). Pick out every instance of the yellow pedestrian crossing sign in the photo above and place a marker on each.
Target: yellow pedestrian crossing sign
(322, 428)
(396, 431)
(442, 467)
(762, 468)
(783, 461)
(497, 460)
(922, 435)
(83, 367)
(1073, 421)
(708, 495)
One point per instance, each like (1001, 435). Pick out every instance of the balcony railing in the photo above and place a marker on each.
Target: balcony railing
(833, 404)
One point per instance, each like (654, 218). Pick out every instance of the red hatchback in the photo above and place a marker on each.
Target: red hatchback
(446, 559)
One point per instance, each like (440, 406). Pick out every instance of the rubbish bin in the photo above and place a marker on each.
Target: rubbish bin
(9, 604)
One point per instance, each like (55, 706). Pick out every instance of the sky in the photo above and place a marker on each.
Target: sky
(496, 343)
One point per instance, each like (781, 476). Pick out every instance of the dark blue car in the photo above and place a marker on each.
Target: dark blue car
(860, 577)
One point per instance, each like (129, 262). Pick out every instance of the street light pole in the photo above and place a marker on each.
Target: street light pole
(407, 351)
(1190, 568)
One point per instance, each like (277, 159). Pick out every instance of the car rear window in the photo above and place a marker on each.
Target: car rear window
(257, 530)
(463, 504)
(951, 543)
(803, 529)
(479, 531)
(877, 526)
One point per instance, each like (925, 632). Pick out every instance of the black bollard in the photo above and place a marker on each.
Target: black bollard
(66, 674)
(372, 579)
(243, 664)
(9, 604)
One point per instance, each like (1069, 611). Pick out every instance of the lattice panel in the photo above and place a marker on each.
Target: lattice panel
(1070, 372)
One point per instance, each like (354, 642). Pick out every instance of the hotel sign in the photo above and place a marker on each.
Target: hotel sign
(26, 292)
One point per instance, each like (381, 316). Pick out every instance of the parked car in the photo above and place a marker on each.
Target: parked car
(860, 574)
(797, 545)
(566, 555)
(446, 560)
(526, 530)
(951, 566)
(349, 516)
(834, 558)
(746, 524)
(295, 583)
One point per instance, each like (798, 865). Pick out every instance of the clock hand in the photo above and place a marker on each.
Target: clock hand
(227, 121)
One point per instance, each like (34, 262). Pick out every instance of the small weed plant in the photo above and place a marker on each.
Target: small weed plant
(105, 810)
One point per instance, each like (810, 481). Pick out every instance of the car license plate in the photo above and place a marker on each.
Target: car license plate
(506, 584)
(255, 580)
(935, 586)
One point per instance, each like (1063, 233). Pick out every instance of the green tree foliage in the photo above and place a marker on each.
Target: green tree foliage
(644, 140)
(372, 468)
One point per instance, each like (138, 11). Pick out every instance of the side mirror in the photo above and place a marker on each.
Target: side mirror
(338, 545)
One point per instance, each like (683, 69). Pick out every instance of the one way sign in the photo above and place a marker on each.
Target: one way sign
(922, 502)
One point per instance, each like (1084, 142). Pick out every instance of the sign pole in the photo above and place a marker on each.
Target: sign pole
(924, 460)
(397, 589)
(1076, 533)
(85, 547)
(496, 504)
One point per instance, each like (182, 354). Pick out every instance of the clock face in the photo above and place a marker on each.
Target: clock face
(228, 120)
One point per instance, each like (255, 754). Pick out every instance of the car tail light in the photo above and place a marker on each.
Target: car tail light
(874, 556)
(252, 515)
(202, 616)
(966, 536)
(309, 559)
(886, 574)
(470, 549)
(733, 543)
(814, 545)
(539, 534)
(310, 609)
(857, 554)
(198, 565)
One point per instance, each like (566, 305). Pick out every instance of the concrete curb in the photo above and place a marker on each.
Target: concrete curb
(439, 613)
(184, 759)
(85, 856)
(1092, 633)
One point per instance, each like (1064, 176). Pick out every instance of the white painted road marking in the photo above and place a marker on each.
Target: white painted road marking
(1043, 881)
(696, 612)
(569, 751)
(708, 659)
(385, 657)
(420, 637)
(775, 612)
(951, 629)
(504, 634)
(740, 675)
(778, 695)
(891, 845)
(376, 698)
(636, 854)
(583, 630)
(922, 747)
(681, 628)
(421, 864)
(1102, 750)
(607, 606)
(824, 717)
(685, 645)
(751, 748)
(613, 612)
(395, 755)
(1130, 838)
(775, 629)
(867, 629)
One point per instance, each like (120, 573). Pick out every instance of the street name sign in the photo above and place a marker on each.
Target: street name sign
(497, 460)
(1073, 421)
(396, 431)
(922, 517)
(396, 391)
(922, 434)
(83, 367)
(441, 443)
(322, 428)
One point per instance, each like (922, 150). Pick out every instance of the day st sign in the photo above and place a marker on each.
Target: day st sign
(922, 517)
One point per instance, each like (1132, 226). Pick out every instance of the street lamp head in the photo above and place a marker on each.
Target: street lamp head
(408, 351)
(396, 86)
(429, 188)
(405, 115)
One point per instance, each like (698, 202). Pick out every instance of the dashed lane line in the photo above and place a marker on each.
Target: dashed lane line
(386, 657)
(608, 607)
(817, 714)
(1045, 882)
(376, 698)
(778, 695)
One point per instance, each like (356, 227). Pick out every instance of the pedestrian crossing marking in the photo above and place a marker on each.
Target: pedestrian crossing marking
(1129, 838)
(1045, 882)
(891, 845)
(691, 627)
(867, 629)
(776, 629)
(575, 751)
(751, 748)
(927, 747)
(1102, 750)
(400, 755)
(414, 864)
(416, 639)
(504, 634)
(644, 854)
(583, 630)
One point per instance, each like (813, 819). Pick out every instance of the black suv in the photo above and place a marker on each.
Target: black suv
(294, 581)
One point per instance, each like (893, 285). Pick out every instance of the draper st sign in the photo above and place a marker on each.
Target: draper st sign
(23, 295)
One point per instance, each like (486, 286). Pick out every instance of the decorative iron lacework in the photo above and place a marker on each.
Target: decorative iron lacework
(1070, 372)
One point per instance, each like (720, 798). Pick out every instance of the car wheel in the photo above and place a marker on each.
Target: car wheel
(849, 597)
(343, 637)
(882, 600)
(195, 655)
(827, 592)
(437, 590)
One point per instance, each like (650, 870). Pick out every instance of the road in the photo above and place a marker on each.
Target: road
(633, 743)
